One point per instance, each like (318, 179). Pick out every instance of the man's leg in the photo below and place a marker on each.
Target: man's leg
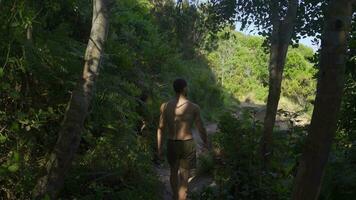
(183, 183)
(174, 181)
(187, 163)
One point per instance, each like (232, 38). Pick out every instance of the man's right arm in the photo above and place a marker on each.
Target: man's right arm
(200, 126)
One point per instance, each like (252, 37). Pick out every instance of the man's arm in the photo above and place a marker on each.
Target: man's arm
(200, 126)
(160, 130)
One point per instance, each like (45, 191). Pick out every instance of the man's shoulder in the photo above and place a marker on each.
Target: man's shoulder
(167, 103)
(194, 106)
(163, 106)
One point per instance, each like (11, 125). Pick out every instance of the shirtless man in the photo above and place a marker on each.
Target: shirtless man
(177, 117)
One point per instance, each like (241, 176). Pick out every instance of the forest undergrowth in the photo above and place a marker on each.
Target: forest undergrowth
(41, 56)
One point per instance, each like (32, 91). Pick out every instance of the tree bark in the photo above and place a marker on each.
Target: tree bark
(327, 103)
(69, 136)
(280, 39)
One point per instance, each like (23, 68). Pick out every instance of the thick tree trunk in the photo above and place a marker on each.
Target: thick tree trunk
(69, 137)
(281, 37)
(327, 102)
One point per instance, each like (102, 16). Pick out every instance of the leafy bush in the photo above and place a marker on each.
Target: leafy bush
(205, 163)
(241, 174)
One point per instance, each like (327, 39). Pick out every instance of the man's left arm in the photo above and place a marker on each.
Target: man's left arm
(160, 131)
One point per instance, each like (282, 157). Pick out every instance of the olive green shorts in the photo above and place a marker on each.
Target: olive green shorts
(181, 153)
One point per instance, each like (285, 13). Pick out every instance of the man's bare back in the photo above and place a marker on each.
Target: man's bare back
(179, 116)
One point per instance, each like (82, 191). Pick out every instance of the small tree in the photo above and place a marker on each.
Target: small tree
(277, 20)
(69, 137)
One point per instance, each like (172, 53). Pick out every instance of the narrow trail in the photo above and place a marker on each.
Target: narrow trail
(283, 122)
(198, 182)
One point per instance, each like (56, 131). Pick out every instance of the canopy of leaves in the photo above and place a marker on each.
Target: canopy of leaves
(258, 13)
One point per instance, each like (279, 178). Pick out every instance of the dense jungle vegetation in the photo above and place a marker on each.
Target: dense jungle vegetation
(149, 43)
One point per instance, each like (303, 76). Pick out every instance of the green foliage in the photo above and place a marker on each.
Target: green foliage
(144, 54)
(299, 84)
(36, 74)
(206, 163)
(241, 66)
(116, 166)
(150, 43)
(237, 72)
(241, 175)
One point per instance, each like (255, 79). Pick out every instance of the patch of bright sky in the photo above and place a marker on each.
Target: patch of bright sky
(252, 30)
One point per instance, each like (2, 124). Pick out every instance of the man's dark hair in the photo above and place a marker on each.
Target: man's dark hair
(179, 84)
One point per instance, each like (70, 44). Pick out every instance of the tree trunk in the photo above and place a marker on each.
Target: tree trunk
(280, 39)
(327, 102)
(72, 127)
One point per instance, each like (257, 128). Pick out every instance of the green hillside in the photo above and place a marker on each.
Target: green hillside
(241, 65)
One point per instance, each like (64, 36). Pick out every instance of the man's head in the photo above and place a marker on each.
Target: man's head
(180, 86)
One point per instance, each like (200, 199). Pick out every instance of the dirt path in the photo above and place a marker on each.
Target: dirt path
(284, 120)
(197, 183)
